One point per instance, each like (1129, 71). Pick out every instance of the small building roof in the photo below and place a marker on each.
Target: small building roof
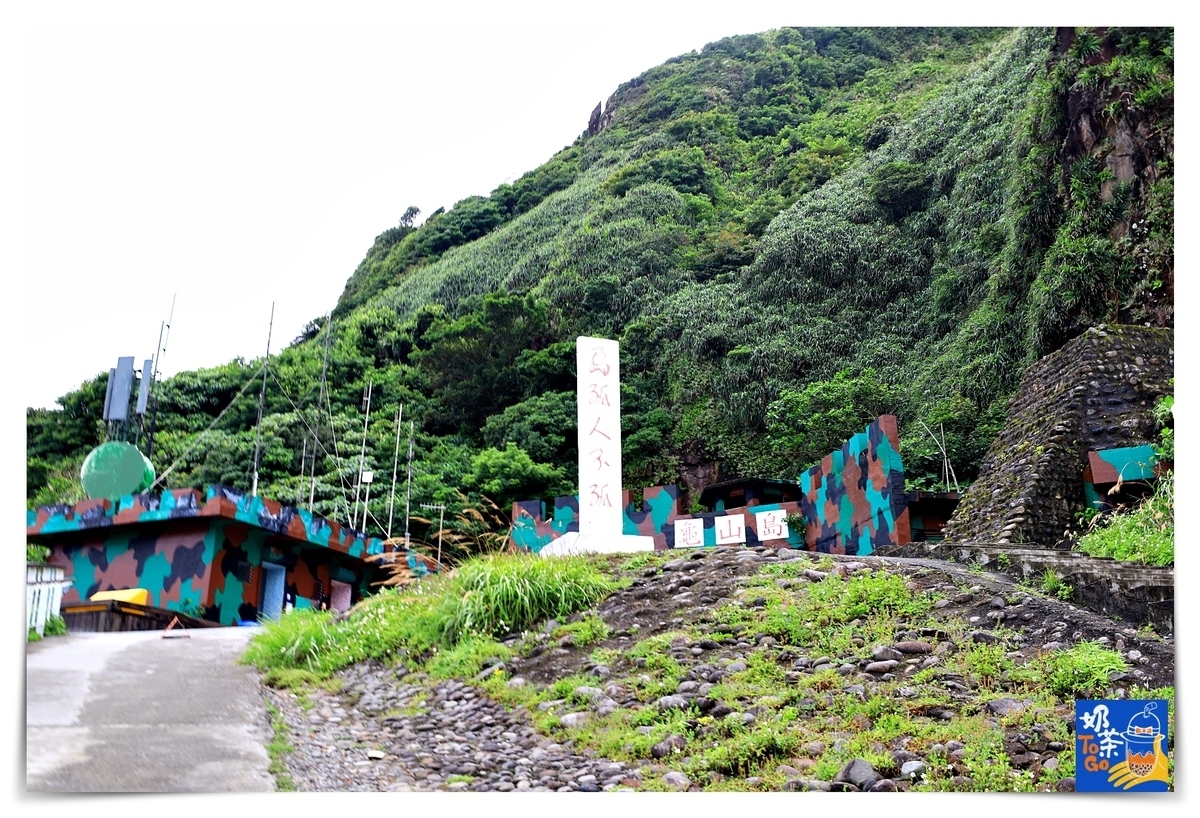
(287, 522)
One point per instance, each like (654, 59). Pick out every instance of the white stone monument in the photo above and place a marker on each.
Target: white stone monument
(601, 513)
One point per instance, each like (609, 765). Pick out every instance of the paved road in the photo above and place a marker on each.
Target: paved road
(134, 712)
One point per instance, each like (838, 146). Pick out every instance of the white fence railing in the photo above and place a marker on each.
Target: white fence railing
(44, 587)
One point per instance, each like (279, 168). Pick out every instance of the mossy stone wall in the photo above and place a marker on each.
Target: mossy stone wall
(1096, 392)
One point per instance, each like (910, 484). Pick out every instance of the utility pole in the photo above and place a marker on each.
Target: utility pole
(262, 397)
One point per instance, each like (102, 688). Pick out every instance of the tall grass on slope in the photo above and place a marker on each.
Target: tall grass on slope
(1144, 535)
(485, 596)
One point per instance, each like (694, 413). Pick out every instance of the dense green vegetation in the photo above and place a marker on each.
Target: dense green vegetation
(788, 232)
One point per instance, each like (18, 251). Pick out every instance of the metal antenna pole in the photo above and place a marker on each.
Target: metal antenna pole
(312, 488)
(395, 463)
(408, 498)
(366, 496)
(261, 398)
(362, 458)
(441, 527)
(154, 377)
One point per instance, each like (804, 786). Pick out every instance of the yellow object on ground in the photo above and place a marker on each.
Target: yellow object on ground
(138, 596)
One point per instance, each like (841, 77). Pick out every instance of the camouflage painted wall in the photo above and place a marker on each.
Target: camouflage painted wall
(854, 498)
(190, 554)
(174, 565)
(853, 503)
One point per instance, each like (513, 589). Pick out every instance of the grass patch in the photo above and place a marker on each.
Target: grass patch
(1144, 535)
(485, 597)
(1081, 672)
(1053, 585)
(290, 678)
(279, 746)
(647, 559)
(466, 658)
(587, 631)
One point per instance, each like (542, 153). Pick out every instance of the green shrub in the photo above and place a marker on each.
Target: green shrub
(56, 626)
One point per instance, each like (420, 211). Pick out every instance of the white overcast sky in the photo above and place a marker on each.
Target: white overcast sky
(247, 154)
(231, 161)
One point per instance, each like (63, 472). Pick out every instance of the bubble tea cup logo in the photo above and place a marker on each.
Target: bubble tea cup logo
(1109, 759)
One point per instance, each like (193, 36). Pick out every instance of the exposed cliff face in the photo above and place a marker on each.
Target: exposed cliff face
(1122, 116)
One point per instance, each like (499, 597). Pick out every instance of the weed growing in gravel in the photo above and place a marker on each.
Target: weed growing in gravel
(279, 746)
(984, 664)
(647, 559)
(1081, 672)
(879, 593)
(749, 749)
(1053, 585)
(586, 631)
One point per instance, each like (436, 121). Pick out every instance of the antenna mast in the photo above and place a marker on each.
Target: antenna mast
(312, 489)
(362, 458)
(158, 353)
(261, 397)
(395, 463)
(408, 498)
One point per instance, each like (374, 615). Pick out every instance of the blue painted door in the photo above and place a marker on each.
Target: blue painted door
(272, 597)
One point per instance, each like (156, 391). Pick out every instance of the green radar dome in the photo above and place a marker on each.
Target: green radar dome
(115, 469)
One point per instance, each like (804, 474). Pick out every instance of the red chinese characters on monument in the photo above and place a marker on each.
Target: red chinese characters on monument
(599, 416)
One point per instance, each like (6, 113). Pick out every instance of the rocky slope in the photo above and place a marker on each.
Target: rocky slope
(743, 710)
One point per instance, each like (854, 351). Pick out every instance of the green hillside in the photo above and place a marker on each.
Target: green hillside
(788, 232)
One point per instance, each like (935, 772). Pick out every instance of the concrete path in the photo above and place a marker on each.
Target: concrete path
(134, 712)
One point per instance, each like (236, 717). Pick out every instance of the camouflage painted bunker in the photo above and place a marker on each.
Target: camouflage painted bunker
(220, 555)
(852, 502)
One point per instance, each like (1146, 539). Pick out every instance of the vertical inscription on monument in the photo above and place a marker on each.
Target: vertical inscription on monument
(599, 400)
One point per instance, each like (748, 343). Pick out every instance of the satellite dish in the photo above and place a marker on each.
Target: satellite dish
(115, 469)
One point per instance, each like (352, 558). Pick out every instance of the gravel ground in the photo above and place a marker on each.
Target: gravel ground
(387, 730)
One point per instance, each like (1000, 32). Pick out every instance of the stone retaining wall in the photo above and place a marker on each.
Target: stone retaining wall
(1139, 594)
(1097, 392)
